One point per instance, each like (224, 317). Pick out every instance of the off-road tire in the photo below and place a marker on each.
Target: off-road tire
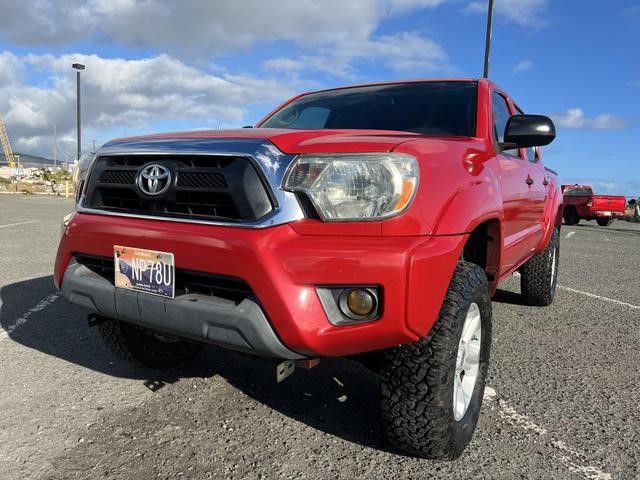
(417, 379)
(605, 221)
(571, 216)
(538, 277)
(143, 349)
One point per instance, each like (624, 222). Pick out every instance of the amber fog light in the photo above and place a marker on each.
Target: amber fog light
(348, 305)
(359, 303)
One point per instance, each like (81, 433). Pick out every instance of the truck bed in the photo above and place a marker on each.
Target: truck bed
(609, 204)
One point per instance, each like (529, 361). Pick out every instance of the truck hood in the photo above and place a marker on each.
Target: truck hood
(288, 141)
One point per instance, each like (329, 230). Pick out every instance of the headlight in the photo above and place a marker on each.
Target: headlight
(355, 186)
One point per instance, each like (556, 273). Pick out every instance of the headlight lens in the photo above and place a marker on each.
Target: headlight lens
(355, 187)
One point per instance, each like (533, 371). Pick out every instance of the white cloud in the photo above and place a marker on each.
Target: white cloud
(524, 13)
(522, 66)
(333, 36)
(218, 26)
(606, 121)
(576, 118)
(407, 53)
(404, 52)
(401, 6)
(11, 69)
(284, 64)
(476, 7)
(197, 27)
(44, 22)
(125, 94)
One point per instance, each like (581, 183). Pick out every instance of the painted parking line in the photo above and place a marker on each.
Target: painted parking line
(44, 303)
(599, 297)
(592, 295)
(570, 234)
(574, 460)
(19, 223)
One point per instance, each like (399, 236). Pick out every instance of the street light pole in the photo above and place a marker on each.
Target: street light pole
(78, 67)
(487, 46)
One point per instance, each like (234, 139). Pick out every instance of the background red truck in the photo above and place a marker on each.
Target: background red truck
(373, 222)
(581, 203)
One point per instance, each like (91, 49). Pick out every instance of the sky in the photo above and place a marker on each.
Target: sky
(169, 65)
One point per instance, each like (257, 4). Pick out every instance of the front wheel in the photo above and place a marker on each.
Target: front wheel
(605, 221)
(539, 276)
(432, 389)
(142, 348)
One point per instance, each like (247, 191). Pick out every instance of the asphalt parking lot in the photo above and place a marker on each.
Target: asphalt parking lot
(563, 401)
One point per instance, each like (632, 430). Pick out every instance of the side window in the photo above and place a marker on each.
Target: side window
(312, 117)
(501, 114)
(531, 153)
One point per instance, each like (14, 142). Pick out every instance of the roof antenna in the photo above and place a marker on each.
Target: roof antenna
(487, 46)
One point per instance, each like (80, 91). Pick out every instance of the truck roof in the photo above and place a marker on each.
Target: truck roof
(394, 82)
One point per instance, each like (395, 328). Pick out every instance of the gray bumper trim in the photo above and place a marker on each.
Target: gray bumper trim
(218, 321)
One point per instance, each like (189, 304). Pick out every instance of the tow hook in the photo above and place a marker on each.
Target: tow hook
(286, 368)
(94, 319)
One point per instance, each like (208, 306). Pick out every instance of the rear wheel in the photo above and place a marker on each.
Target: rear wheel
(539, 276)
(605, 221)
(432, 389)
(142, 348)
(571, 216)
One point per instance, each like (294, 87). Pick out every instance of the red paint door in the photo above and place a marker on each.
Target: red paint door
(523, 199)
(537, 181)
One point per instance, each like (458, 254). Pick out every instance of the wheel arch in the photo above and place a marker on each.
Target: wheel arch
(553, 216)
(484, 248)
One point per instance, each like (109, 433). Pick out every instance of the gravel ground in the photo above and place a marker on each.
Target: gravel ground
(562, 403)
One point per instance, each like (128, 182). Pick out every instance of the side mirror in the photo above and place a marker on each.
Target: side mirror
(529, 131)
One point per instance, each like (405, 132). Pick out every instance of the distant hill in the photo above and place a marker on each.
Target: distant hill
(30, 160)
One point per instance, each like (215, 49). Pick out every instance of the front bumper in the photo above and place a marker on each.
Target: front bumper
(241, 326)
(282, 267)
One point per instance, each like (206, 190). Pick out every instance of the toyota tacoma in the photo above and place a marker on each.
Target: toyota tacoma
(373, 222)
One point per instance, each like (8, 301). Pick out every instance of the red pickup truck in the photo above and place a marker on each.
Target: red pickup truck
(581, 203)
(373, 222)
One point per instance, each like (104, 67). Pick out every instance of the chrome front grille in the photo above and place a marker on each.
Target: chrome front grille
(201, 187)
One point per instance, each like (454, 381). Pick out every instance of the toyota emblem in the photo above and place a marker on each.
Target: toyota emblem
(154, 180)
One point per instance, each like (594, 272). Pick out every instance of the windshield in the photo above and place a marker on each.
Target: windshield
(429, 108)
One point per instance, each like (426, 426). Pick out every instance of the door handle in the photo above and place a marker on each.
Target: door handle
(546, 182)
(529, 181)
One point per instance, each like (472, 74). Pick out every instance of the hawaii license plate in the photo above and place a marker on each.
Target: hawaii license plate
(146, 271)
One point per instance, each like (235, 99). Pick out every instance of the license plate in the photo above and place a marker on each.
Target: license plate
(146, 271)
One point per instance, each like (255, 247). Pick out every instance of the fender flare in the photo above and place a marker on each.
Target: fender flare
(476, 202)
(552, 216)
